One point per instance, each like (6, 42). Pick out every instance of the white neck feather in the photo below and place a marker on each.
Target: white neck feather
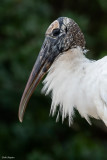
(69, 82)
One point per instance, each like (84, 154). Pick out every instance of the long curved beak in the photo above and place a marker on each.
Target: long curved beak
(41, 66)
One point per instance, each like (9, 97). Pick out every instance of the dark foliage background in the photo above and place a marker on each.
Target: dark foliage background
(22, 27)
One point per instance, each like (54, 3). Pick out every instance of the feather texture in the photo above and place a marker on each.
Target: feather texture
(77, 82)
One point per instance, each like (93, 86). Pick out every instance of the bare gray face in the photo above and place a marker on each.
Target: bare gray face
(66, 34)
(62, 35)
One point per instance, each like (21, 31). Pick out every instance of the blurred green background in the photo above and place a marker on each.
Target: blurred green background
(22, 27)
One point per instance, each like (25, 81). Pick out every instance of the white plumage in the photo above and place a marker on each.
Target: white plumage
(73, 80)
(77, 82)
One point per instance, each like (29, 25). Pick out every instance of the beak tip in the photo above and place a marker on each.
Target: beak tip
(20, 119)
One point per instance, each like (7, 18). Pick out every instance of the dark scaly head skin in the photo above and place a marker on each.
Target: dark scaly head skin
(63, 34)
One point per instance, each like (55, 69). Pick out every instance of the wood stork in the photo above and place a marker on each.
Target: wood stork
(73, 80)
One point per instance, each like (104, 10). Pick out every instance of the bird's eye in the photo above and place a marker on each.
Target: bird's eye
(56, 32)
(66, 29)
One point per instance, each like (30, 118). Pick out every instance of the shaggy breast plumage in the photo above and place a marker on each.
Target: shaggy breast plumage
(74, 83)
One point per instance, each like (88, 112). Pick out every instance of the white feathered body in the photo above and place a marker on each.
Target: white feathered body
(77, 82)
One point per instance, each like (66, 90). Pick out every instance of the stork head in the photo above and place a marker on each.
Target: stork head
(63, 34)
